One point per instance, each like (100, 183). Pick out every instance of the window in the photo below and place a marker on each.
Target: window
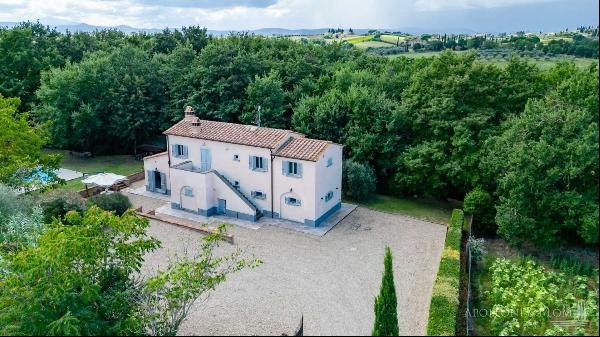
(329, 161)
(179, 151)
(292, 201)
(188, 191)
(236, 157)
(292, 169)
(258, 195)
(258, 163)
(328, 196)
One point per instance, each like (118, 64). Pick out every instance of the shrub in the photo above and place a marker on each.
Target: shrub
(443, 309)
(386, 317)
(57, 207)
(477, 247)
(358, 180)
(11, 203)
(115, 202)
(525, 298)
(481, 204)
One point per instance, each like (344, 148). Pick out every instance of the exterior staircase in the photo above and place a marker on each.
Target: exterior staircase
(236, 190)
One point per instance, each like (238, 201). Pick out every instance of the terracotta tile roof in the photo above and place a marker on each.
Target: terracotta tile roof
(287, 143)
(232, 133)
(302, 148)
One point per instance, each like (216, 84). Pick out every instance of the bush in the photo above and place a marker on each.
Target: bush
(12, 204)
(56, 208)
(477, 247)
(443, 309)
(358, 180)
(525, 300)
(481, 204)
(115, 202)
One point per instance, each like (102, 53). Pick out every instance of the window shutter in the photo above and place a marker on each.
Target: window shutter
(266, 164)
(300, 169)
(251, 163)
(151, 180)
(185, 152)
(174, 151)
(284, 167)
(163, 182)
(287, 200)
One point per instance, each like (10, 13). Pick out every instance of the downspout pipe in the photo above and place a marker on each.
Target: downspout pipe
(272, 195)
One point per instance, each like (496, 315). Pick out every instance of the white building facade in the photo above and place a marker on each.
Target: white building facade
(247, 172)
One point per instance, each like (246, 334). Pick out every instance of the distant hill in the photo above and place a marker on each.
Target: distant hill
(84, 27)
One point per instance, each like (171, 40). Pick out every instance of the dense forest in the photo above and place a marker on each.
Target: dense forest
(518, 144)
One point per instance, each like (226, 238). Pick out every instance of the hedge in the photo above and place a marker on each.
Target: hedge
(443, 309)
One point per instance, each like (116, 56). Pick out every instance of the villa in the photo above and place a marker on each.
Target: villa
(246, 171)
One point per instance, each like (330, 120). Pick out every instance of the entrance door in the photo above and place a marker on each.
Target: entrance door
(222, 206)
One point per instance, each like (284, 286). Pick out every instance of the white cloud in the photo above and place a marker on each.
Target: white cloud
(437, 5)
(254, 14)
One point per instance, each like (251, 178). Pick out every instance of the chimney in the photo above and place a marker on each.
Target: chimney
(189, 114)
(195, 126)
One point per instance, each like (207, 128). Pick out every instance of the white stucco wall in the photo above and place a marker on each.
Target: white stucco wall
(317, 179)
(328, 179)
(222, 161)
(302, 188)
(159, 162)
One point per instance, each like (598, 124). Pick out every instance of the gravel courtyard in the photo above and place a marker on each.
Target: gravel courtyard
(331, 280)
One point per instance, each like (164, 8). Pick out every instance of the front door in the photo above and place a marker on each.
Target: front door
(222, 206)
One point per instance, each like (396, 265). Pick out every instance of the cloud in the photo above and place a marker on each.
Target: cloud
(209, 3)
(438, 5)
(479, 15)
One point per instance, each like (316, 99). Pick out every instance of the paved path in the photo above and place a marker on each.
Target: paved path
(331, 280)
(68, 174)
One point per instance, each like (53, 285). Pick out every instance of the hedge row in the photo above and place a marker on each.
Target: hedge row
(445, 296)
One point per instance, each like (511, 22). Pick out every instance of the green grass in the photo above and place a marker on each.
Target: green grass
(392, 39)
(359, 39)
(423, 209)
(373, 44)
(118, 164)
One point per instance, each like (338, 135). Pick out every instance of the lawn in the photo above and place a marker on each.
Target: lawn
(392, 38)
(359, 39)
(435, 211)
(118, 164)
(373, 44)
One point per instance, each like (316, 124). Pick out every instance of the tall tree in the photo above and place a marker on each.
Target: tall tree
(546, 163)
(386, 317)
(21, 143)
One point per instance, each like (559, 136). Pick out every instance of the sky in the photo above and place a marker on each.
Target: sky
(474, 15)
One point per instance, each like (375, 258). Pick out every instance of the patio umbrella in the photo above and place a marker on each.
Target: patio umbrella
(105, 180)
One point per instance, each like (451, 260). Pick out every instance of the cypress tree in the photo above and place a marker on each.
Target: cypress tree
(386, 318)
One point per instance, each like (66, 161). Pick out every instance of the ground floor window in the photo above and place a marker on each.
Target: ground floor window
(188, 191)
(328, 196)
(259, 195)
(292, 201)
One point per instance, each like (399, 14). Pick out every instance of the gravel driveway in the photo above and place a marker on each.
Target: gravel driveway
(331, 280)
